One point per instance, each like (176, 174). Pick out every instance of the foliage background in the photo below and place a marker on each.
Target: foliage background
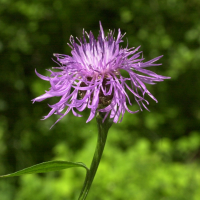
(150, 155)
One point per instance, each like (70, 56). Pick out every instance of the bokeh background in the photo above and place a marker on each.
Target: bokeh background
(150, 155)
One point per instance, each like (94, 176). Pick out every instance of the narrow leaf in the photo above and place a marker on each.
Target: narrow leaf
(46, 167)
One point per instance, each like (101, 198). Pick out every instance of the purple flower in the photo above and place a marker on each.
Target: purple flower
(91, 77)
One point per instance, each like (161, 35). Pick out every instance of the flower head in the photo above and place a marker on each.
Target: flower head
(91, 77)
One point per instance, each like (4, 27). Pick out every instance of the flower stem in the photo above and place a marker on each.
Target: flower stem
(103, 128)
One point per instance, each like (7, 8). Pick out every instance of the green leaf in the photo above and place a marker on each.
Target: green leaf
(46, 167)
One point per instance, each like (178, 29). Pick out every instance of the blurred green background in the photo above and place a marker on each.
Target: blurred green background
(150, 155)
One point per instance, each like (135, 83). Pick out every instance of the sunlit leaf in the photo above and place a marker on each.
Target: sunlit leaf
(46, 167)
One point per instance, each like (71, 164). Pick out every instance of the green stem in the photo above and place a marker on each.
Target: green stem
(102, 136)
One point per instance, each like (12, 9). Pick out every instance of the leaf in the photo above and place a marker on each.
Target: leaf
(46, 167)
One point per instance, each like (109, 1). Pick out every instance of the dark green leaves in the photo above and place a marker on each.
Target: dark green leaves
(46, 167)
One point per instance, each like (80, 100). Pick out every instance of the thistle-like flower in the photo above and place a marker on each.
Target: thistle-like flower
(92, 77)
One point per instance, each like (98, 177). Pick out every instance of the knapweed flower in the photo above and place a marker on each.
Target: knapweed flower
(92, 77)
